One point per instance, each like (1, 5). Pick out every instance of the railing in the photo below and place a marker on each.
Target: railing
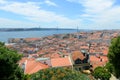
(81, 65)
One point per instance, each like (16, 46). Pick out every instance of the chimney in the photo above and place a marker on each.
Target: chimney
(25, 63)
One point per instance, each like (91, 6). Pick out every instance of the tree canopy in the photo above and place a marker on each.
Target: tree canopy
(101, 73)
(9, 69)
(58, 74)
(114, 55)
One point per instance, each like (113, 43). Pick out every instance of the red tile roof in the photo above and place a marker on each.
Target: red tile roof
(32, 65)
(31, 39)
(105, 52)
(55, 55)
(61, 62)
(77, 54)
(95, 61)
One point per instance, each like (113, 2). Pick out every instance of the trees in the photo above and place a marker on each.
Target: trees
(109, 67)
(101, 73)
(58, 74)
(114, 55)
(9, 69)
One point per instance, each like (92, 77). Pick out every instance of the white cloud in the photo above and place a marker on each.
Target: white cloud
(26, 9)
(6, 23)
(2, 1)
(102, 13)
(97, 13)
(33, 11)
(97, 6)
(50, 3)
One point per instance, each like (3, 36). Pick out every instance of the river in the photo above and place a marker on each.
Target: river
(4, 36)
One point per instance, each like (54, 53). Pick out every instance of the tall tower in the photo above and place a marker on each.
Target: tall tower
(57, 27)
(77, 29)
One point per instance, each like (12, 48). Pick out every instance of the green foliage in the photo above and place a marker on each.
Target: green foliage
(114, 55)
(9, 69)
(101, 73)
(109, 67)
(58, 74)
(1, 44)
(27, 77)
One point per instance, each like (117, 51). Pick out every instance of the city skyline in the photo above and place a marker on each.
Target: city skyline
(84, 14)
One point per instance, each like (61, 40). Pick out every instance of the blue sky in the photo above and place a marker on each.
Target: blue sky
(86, 14)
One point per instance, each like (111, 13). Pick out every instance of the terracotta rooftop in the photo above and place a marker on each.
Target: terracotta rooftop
(77, 54)
(61, 62)
(95, 61)
(55, 55)
(32, 39)
(105, 52)
(32, 65)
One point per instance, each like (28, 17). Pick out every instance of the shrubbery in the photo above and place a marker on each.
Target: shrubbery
(114, 56)
(9, 69)
(101, 73)
(58, 74)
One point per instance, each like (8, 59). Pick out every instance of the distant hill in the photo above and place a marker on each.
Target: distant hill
(31, 29)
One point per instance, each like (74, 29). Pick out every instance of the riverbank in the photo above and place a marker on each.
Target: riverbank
(31, 34)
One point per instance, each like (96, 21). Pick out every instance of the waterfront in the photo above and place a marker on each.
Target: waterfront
(4, 36)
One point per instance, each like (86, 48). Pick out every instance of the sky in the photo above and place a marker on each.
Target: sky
(84, 14)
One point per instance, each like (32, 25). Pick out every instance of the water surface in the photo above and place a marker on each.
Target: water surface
(4, 36)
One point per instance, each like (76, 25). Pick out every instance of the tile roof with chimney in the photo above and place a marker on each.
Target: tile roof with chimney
(31, 65)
